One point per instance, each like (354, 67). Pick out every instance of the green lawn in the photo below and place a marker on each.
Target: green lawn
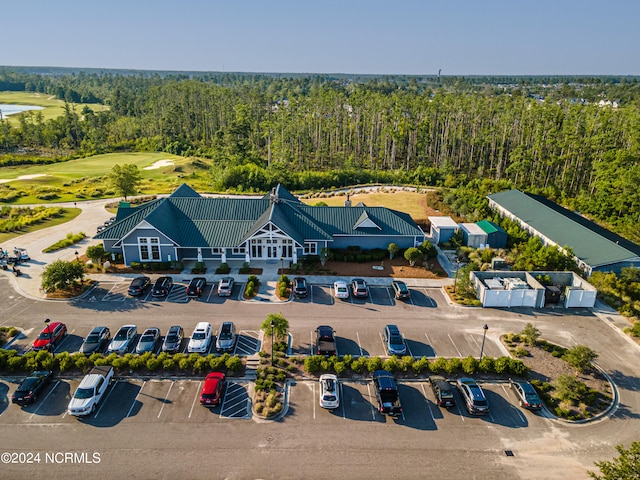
(85, 178)
(54, 107)
(69, 214)
(408, 202)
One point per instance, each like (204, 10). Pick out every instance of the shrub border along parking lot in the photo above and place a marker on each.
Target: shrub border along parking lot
(346, 364)
(13, 362)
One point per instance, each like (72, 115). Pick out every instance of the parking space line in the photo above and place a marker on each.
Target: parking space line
(313, 398)
(373, 410)
(454, 345)
(195, 398)
(165, 398)
(311, 343)
(210, 292)
(44, 400)
(460, 414)
(344, 414)
(104, 401)
(384, 347)
(474, 340)
(427, 402)
(136, 399)
(407, 345)
(359, 344)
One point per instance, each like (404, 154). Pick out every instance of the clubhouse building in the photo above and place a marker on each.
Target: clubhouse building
(278, 226)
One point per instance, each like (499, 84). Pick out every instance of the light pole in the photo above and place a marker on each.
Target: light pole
(76, 254)
(485, 328)
(272, 329)
(46, 322)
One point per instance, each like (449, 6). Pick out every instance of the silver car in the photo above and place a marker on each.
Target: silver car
(148, 340)
(122, 340)
(226, 339)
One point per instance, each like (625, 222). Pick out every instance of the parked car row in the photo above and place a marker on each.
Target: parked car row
(326, 342)
(122, 341)
(162, 286)
(389, 401)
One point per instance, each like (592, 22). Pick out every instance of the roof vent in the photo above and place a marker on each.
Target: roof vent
(347, 202)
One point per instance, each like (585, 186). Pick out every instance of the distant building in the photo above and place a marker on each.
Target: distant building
(594, 247)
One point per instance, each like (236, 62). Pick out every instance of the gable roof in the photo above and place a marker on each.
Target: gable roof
(594, 245)
(490, 227)
(191, 220)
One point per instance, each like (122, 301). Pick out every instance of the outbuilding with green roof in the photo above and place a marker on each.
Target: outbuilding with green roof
(594, 247)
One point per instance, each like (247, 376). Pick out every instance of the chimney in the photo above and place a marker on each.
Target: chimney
(347, 202)
(273, 197)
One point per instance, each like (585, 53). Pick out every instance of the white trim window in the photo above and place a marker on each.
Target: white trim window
(149, 248)
(310, 248)
(238, 250)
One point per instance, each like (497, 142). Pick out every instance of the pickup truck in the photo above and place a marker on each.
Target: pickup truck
(90, 391)
(387, 393)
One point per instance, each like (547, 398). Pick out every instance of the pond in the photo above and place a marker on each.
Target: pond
(7, 109)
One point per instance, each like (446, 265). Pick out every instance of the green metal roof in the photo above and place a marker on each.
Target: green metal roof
(591, 243)
(195, 221)
(489, 227)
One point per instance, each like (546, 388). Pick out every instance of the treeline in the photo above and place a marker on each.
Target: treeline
(546, 135)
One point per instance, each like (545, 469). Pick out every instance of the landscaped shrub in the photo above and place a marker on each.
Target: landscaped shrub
(469, 365)
(312, 363)
(223, 269)
(339, 367)
(359, 364)
(347, 359)
(486, 365)
(438, 365)
(199, 268)
(420, 365)
(119, 363)
(453, 365)
(501, 365)
(517, 367)
(81, 362)
(390, 364)
(373, 364)
(233, 364)
(153, 363)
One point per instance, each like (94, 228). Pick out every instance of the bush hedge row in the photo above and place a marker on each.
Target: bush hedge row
(440, 365)
(11, 361)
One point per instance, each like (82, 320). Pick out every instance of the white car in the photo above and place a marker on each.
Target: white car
(329, 391)
(201, 338)
(340, 289)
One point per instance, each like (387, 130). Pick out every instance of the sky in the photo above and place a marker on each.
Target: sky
(411, 37)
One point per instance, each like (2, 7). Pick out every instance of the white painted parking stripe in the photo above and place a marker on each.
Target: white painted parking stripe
(195, 398)
(454, 345)
(407, 345)
(384, 347)
(44, 400)
(359, 344)
(165, 399)
(313, 398)
(373, 410)
(136, 399)
(427, 402)
(102, 403)
(311, 343)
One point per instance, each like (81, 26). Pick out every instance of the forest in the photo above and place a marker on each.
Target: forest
(575, 140)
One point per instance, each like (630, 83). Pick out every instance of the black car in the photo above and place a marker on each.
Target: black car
(300, 287)
(196, 287)
(138, 286)
(400, 290)
(325, 341)
(173, 340)
(443, 391)
(96, 340)
(162, 287)
(31, 387)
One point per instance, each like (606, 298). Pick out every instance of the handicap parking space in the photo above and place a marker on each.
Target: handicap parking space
(248, 343)
(117, 292)
(236, 402)
(178, 293)
(213, 297)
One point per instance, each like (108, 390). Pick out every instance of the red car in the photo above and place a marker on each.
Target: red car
(212, 389)
(50, 336)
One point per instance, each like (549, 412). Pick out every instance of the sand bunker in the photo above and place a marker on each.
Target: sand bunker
(159, 164)
(23, 177)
